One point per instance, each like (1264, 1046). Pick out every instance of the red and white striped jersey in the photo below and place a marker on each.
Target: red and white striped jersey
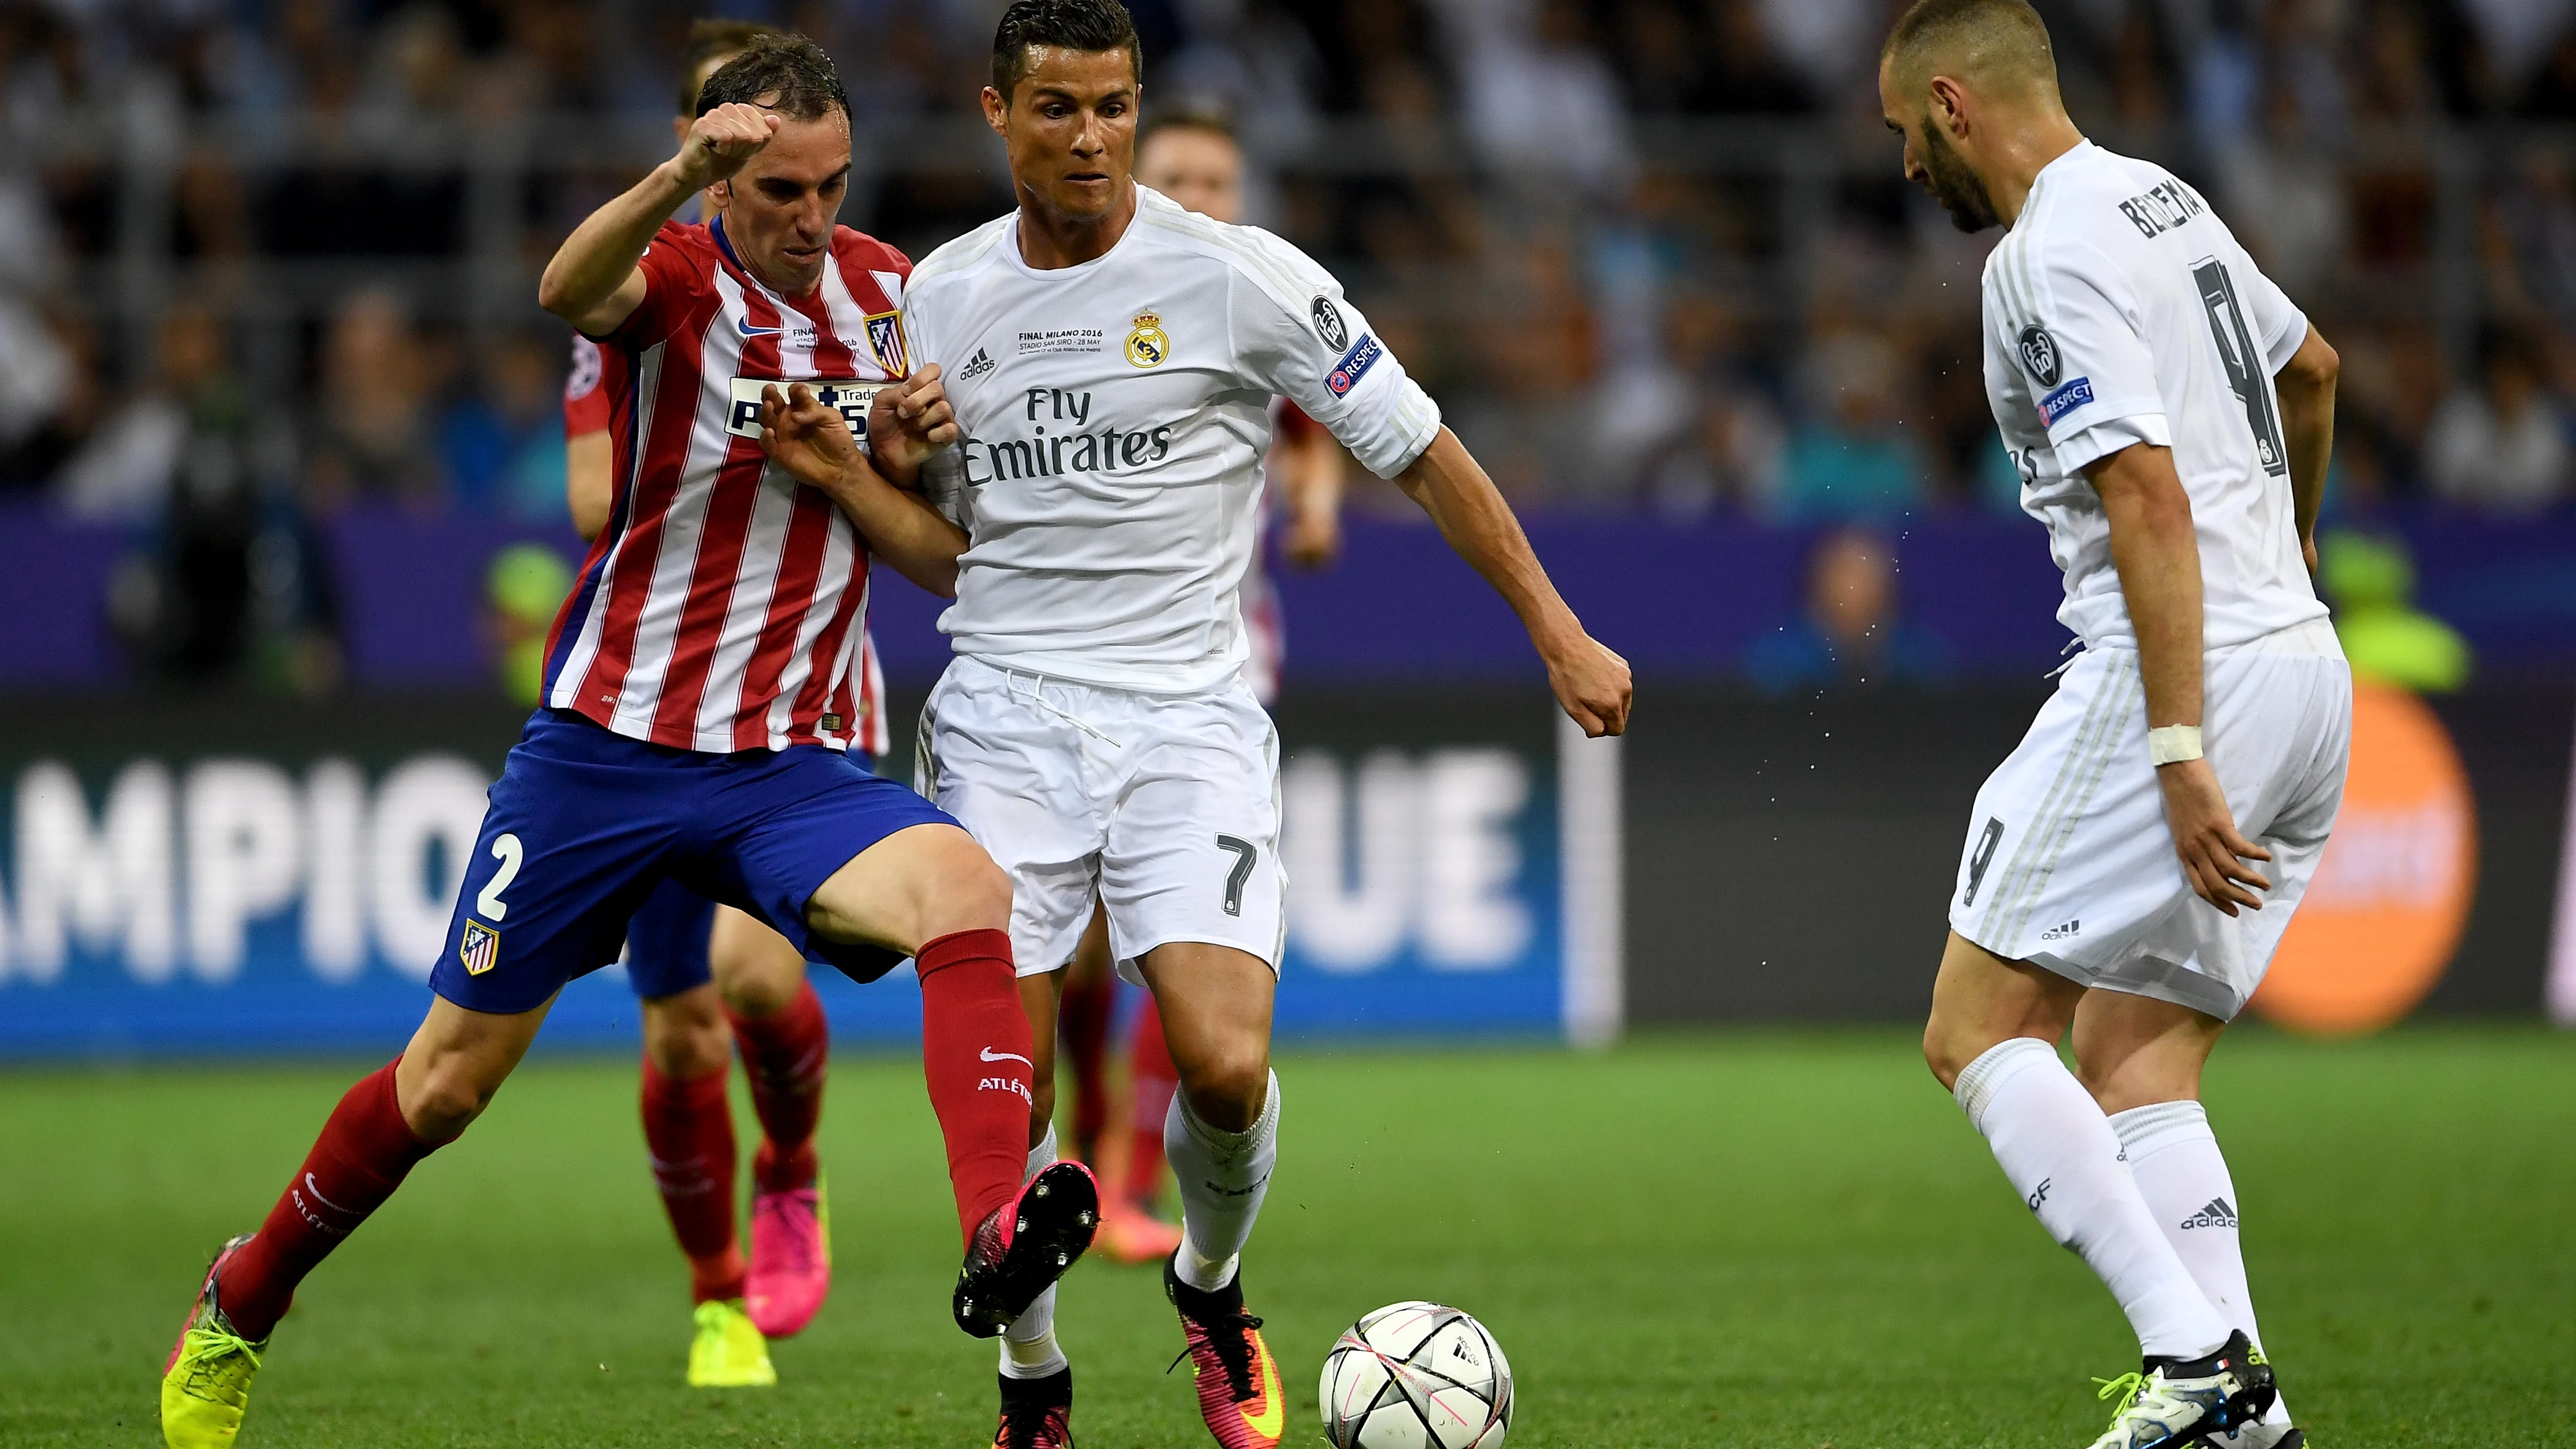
(724, 607)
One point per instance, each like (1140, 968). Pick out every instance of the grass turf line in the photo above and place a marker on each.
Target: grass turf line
(1756, 1239)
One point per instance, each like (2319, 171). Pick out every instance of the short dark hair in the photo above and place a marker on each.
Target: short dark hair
(2004, 39)
(1186, 118)
(712, 40)
(1086, 25)
(800, 81)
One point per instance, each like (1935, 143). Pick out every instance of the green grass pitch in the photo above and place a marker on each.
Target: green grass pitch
(1750, 1239)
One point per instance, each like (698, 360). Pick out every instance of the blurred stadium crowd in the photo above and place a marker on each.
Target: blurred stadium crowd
(263, 260)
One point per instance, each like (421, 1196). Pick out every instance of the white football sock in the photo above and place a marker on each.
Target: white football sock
(1223, 1177)
(2063, 1158)
(1029, 1349)
(2183, 1176)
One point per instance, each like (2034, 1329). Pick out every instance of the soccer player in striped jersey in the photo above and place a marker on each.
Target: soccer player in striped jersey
(2131, 867)
(1111, 358)
(1192, 157)
(698, 709)
(708, 976)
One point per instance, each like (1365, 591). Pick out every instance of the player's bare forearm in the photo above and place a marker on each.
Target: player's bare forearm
(901, 528)
(588, 460)
(813, 444)
(592, 281)
(2307, 389)
(2158, 559)
(1590, 681)
(2157, 554)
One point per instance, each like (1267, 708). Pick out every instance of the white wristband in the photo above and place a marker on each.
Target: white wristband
(2173, 744)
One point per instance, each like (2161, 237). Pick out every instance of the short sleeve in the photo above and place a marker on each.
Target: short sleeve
(1312, 347)
(585, 395)
(673, 281)
(2072, 326)
(2279, 325)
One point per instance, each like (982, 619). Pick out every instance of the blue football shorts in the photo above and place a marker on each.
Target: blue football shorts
(585, 825)
(666, 942)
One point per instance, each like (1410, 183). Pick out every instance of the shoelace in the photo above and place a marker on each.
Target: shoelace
(217, 1340)
(2128, 1388)
(1233, 1350)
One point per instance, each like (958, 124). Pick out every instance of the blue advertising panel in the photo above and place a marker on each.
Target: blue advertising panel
(264, 878)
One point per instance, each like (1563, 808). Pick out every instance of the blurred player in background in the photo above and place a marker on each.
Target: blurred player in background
(1111, 358)
(708, 976)
(2171, 413)
(1193, 158)
(699, 706)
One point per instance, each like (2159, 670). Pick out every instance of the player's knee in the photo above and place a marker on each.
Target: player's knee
(1947, 1050)
(974, 893)
(1228, 1086)
(686, 1036)
(448, 1100)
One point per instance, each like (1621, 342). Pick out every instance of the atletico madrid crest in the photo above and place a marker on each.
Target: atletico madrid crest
(480, 951)
(885, 339)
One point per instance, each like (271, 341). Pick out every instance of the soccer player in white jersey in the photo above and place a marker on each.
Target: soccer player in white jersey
(1111, 359)
(2130, 868)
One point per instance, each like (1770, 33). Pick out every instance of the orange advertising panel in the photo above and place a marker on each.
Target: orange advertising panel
(2384, 913)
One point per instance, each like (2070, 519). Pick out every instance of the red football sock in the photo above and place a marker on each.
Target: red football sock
(688, 1130)
(786, 1056)
(360, 1158)
(975, 1055)
(1082, 1019)
(1150, 1070)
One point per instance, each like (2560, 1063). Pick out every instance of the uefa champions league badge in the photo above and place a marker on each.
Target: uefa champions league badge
(1148, 344)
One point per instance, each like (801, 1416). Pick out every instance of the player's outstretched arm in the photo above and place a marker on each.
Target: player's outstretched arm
(2307, 389)
(813, 443)
(2158, 558)
(593, 282)
(1590, 681)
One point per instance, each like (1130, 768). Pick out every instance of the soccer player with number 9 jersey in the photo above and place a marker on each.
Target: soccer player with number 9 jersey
(2129, 870)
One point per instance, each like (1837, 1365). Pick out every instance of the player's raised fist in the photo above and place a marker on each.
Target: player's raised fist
(720, 141)
(1592, 686)
(909, 420)
(811, 441)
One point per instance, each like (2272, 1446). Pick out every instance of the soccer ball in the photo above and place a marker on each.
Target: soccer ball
(1416, 1376)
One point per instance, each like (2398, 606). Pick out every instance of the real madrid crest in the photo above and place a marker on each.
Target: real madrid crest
(1148, 344)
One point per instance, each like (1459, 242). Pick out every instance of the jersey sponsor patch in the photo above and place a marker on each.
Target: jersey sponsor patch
(1147, 343)
(1346, 374)
(480, 949)
(1329, 324)
(2039, 354)
(2065, 400)
(850, 396)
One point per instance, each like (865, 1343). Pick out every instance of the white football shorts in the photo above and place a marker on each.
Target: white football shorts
(2069, 864)
(1166, 807)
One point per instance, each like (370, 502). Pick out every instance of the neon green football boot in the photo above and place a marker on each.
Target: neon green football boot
(728, 1352)
(205, 1387)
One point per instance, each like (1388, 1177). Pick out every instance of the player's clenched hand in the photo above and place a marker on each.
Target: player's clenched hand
(1592, 685)
(909, 420)
(2204, 831)
(721, 140)
(811, 441)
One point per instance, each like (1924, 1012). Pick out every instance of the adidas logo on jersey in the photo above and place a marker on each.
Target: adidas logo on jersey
(2217, 1215)
(976, 366)
(2060, 933)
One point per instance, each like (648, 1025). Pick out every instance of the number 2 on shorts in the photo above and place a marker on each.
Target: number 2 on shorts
(1245, 853)
(509, 852)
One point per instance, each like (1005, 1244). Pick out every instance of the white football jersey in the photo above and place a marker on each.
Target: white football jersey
(1115, 418)
(2121, 310)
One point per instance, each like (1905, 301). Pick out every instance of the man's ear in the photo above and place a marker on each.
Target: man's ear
(1950, 106)
(997, 111)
